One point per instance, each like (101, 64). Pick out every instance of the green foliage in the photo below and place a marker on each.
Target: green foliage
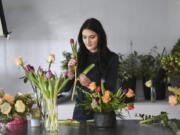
(150, 119)
(128, 66)
(171, 63)
(176, 48)
(67, 57)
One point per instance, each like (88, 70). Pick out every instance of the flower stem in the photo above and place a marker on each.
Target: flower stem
(75, 82)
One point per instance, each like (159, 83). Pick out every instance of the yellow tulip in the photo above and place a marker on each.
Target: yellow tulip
(51, 58)
(19, 61)
(149, 84)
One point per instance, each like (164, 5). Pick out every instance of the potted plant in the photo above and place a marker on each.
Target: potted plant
(128, 72)
(104, 103)
(151, 69)
(171, 64)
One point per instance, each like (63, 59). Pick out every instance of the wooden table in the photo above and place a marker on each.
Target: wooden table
(123, 127)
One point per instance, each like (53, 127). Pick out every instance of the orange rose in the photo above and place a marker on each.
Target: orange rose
(130, 93)
(172, 100)
(92, 86)
(9, 98)
(106, 98)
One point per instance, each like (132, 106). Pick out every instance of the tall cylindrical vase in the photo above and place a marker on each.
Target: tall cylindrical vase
(51, 119)
(153, 94)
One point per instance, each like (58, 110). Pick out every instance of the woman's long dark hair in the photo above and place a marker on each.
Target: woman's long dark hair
(103, 51)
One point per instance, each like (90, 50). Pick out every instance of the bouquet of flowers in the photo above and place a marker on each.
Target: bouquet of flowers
(49, 85)
(100, 99)
(11, 107)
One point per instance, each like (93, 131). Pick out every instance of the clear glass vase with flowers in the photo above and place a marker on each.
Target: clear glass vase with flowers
(49, 85)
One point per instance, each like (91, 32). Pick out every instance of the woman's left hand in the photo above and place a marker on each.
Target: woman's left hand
(84, 80)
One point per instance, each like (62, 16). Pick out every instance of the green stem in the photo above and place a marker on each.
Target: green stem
(74, 86)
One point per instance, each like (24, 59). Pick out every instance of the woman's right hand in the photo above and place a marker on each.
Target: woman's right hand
(71, 64)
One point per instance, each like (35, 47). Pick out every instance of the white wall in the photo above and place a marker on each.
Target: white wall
(42, 26)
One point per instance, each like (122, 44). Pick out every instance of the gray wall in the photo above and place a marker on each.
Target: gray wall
(42, 26)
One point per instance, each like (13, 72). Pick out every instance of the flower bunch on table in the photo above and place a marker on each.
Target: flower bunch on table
(49, 84)
(174, 99)
(46, 84)
(14, 106)
(100, 99)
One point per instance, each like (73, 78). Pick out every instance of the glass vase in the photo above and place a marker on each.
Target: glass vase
(153, 94)
(51, 118)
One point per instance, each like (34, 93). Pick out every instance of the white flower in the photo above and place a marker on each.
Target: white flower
(20, 106)
(149, 84)
(5, 108)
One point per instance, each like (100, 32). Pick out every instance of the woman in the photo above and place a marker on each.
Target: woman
(93, 49)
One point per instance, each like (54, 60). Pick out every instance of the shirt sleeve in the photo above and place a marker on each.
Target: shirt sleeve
(112, 74)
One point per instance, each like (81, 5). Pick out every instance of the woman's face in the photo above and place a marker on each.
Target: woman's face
(90, 39)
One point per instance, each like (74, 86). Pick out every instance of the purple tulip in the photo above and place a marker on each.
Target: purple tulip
(40, 71)
(71, 41)
(49, 74)
(125, 91)
(66, 74)
(29, 68)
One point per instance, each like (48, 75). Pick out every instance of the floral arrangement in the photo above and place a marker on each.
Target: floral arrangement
(175, 98)
(47, 82)
(49, 85)
(100, 99)
(14, 106)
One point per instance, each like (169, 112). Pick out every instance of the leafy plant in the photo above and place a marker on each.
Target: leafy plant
(128, 66)
(67, 57)
(171, 64)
